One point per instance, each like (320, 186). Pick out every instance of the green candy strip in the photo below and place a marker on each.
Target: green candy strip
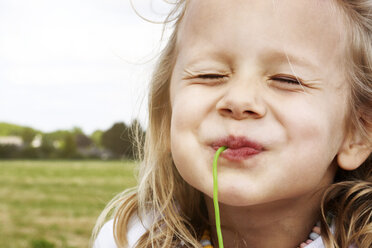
(215, 196)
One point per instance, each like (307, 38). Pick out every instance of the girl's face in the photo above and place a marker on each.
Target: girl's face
(265, 78)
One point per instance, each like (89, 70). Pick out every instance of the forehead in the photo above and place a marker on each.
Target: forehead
(307, 28)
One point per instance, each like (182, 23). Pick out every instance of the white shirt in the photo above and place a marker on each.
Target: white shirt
(136, 229)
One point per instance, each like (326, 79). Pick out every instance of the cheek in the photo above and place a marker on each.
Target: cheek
(182, 110)
(184, 120)
(189, 106)
(316, 129)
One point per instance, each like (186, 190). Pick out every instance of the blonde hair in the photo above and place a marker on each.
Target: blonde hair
(164, 194)
(349, 199)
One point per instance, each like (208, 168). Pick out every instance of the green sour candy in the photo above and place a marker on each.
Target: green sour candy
(215, 196)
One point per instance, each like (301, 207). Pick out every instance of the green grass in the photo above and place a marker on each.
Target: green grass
(56, 203)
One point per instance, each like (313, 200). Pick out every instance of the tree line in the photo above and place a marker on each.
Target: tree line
(19, 142)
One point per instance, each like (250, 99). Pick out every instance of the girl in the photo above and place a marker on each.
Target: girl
(286, 86)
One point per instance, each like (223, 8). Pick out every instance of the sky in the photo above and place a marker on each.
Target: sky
(70, 63)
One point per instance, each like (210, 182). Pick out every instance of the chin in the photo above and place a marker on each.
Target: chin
(238, 202)
(235, 199)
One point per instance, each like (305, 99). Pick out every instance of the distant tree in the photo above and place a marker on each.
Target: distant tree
(47, 148)
(77, 130)
(28, 135)
(96, 137)
(7, 129)
(8, 151)
(116, 139)
(30, 152)
(59, 134)
(123, 140)
(82, 140)
(69, 149)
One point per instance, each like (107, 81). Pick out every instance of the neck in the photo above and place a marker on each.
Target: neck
(284, 223)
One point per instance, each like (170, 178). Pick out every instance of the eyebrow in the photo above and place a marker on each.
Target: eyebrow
(266, 57)
(207, 57)
(280, 56)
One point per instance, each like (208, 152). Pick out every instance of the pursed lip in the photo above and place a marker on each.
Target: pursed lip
(238, 148)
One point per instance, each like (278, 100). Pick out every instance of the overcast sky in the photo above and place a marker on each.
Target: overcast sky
(76, 63)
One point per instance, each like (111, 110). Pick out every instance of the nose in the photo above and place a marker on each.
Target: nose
(241, 101)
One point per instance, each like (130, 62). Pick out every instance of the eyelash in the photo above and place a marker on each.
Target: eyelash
(211, 76)
(287, 79)
(211, 79)
(280, 78)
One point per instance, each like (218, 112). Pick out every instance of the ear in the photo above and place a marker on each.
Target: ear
(353, 151)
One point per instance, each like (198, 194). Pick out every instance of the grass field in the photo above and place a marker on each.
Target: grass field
(55, 203)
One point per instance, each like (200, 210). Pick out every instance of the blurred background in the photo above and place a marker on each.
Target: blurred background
(73, 83)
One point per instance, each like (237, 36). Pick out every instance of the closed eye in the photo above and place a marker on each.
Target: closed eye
(211, 76)
(210, 79)
(286, 79)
